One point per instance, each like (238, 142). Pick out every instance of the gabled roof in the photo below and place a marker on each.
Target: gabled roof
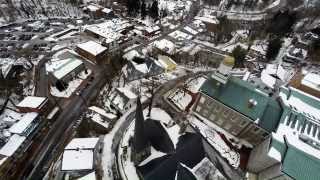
(300, 165)
(296, 163)
(238, 94)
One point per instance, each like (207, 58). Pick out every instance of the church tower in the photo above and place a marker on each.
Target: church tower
(141, 148)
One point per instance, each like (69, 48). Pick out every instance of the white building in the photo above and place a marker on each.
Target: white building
(122, 99)
(64, 70)
(32, 104)
(81, 156)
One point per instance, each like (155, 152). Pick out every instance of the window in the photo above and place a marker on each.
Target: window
(233, 117)
(242, 123)
(227, 126)
(217, 109)
(206, 113)
(225, 113)
(219, 121)
(255, 130)
(212, 117)
(198, 109)
(202, 99)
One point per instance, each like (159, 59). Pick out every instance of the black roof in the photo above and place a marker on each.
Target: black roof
(189, 151)
(158, 136)
(184, 173)
(140, 141)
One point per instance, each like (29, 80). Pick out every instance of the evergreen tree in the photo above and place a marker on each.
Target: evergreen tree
(274, 46)
(239, 55)
(154, 10)
(133, 7)
(143, 9)
(282, 23)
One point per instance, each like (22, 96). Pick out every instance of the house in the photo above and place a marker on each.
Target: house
(309, 83)
(102, 120)
(33, 104)
(167, 63)
(64, 70)
(151, 31)
(292, 151)
(10, 68)
(211, 22)
(305, 40)
(295, 55)
(139, 68)
(81, 156)
(122, 99)
(236, 106)
(16, 134)
(110, 31)
(96, 11)
(92, 51)
(165, 46)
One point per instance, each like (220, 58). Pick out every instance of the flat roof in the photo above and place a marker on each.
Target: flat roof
(32, 102)
(82, 143)
(24, 123)
(12, 145)
(77, 160)
(63, 67)
(92, 47)
(312, 80)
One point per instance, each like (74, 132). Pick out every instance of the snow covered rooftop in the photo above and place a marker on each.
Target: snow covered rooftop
(110, 29)
(90, 176)
(312, 80)
(74, 160)
(106, 10)
(129, 94)
(92, 47)
(160, 115)
(208, 19)
(165, 45)
(61, 68)
(152, 29)
(131, 54)
(32, 102)
(180, 35)
(9, 116)
(24, 123)
(12, 145)
(102, 112)
(93, 7)
(190, 30)
(82, 143)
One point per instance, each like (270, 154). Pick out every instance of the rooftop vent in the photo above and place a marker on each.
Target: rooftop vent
(252, 103)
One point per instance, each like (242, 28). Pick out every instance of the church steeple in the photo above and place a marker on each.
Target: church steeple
(141, 145)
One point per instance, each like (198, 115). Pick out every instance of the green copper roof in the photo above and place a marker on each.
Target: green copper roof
(300, 165)
(237, 93)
